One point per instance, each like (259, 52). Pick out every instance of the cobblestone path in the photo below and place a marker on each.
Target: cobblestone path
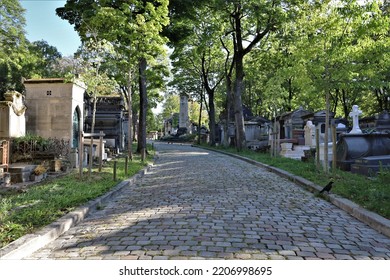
(196, 204)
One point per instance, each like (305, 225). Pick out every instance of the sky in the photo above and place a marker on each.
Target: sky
(42, 23)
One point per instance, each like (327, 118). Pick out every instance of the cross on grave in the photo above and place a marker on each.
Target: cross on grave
(355, 119)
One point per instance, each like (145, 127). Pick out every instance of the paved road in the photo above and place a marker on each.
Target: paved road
(196, 204)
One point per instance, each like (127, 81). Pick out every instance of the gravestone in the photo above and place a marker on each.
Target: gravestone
(310, 134)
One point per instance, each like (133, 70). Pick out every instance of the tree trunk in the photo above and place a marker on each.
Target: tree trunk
(143, 109)
(228, 108)
(200, 115)
(238, 111)
(212, 117)
(130, 112)
(239, 53)
(326, 147)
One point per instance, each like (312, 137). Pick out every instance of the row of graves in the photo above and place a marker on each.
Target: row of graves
(60, 114)
(363, 148)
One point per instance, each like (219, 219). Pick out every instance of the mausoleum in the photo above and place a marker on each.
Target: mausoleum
(55, 108)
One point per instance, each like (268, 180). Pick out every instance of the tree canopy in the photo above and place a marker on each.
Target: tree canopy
(268, 56)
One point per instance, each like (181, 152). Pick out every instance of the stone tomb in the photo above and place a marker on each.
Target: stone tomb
(292, 126)
(55, 109)
(365, 153)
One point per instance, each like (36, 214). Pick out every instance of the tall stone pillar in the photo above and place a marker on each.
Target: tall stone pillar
(183, 116)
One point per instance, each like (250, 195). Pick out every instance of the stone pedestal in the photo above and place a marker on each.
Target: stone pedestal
(286, 150)
(322, 153)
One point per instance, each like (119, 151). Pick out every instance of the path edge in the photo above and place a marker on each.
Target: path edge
(28, 244)
(374, 220)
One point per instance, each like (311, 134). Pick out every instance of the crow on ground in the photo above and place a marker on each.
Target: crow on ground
(327, 188)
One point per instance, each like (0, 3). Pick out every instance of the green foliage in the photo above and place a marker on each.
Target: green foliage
(12, 45)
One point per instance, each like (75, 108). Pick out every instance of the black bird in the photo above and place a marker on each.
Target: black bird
(327, 188)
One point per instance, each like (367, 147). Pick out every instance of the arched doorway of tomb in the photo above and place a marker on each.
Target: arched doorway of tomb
(76, 127)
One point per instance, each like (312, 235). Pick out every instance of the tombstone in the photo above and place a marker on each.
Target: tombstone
(310, 134)
(12, 115)
(354, 114)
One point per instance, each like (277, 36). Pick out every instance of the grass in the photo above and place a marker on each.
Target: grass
(26, 212)
(372, 193)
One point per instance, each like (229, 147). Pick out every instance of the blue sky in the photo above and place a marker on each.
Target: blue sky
(43, 24)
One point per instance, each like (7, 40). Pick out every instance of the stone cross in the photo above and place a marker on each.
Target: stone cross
(355, 118)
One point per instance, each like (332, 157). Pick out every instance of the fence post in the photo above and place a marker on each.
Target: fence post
(126, 165)
(100, 151)
(318, 147)
(90, 157)
(81, 154)
(334, 147)
(114, 171)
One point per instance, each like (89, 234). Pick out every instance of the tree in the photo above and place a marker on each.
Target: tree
(171, 105)
(202, 55)
(42, 60)
(12, 45)
(251, 21)
(93, 54)
(133, 27)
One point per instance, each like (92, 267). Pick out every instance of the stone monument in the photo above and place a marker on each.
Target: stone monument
(310, 134)
(183, 115)
(56, 108)
(12, 115)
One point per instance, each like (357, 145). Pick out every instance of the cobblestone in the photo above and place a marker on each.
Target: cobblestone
(196, 204)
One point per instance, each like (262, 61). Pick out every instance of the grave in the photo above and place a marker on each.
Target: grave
(364, 152)
(292, 131)
(256, 133)
(292, 126)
